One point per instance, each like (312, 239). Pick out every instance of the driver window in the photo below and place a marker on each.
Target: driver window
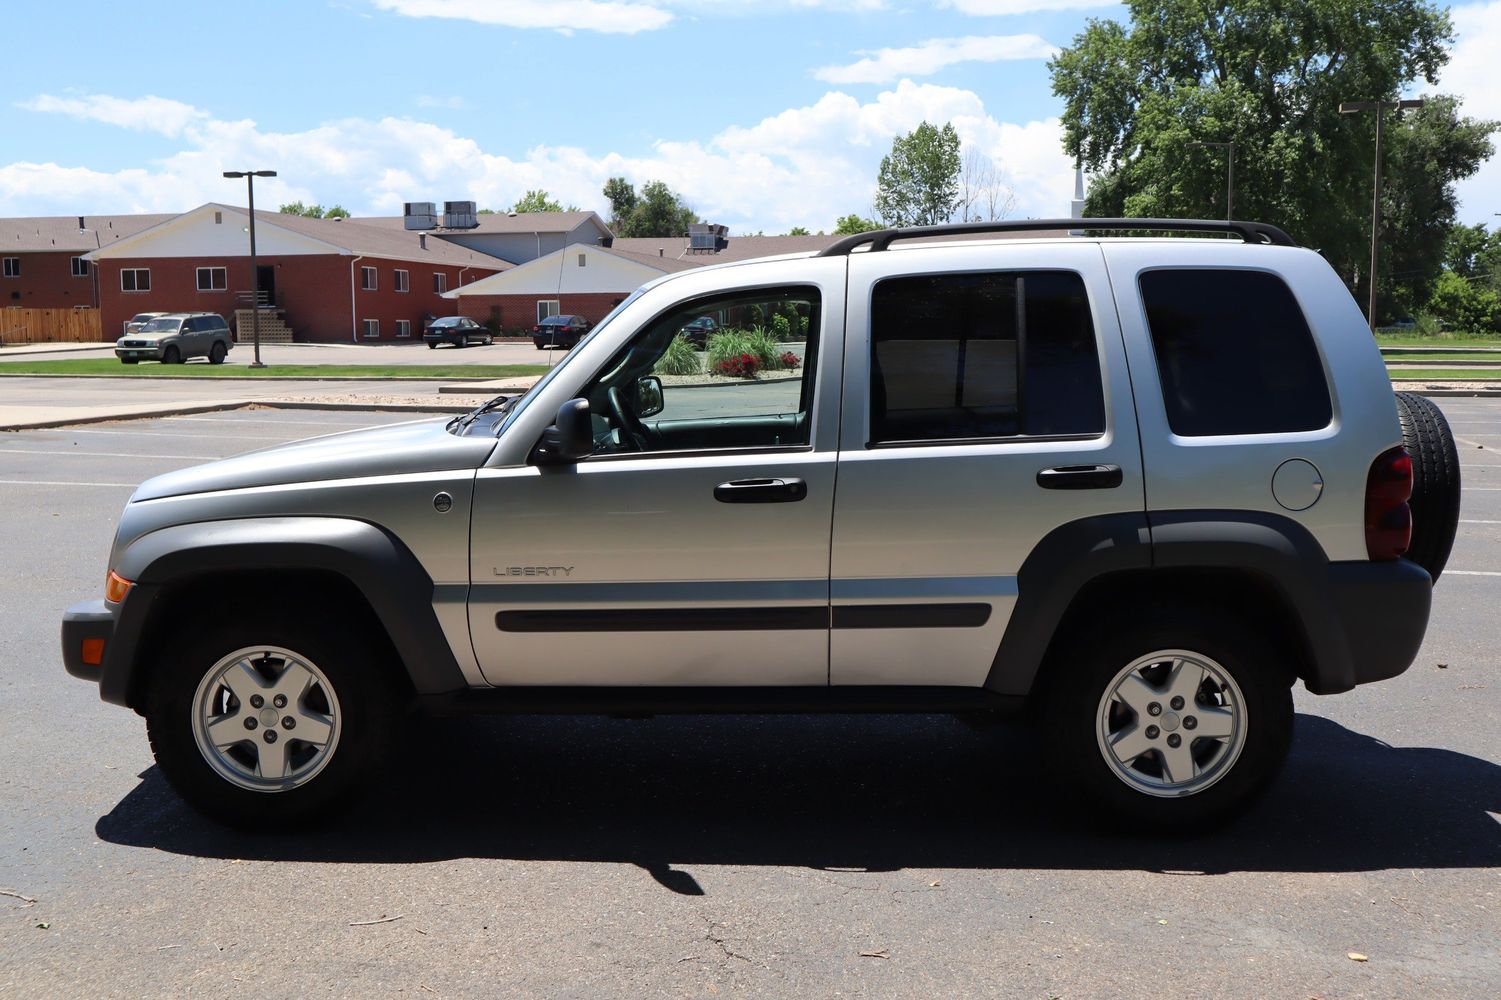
(732, 371)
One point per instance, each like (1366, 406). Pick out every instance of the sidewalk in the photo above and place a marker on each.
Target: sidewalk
(10, 350)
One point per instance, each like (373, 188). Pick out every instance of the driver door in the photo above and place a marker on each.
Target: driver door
(692, 549)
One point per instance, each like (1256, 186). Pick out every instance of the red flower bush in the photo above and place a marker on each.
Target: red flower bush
(790, 361)
(744, 366)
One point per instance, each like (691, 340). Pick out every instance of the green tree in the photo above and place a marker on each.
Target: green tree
(539, 200)
(659, 211)
(1474, 254)
(621, 194)
(918, 184)
(314, 211)
(1466, 305)
(1270, 77)
(853, 224)
(797, 231)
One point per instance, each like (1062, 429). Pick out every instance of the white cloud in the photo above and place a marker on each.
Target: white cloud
(453, 102)
(1471, 74)
(927, 58)
(141, 114)
(803, 167)
(997, 8)
(606, 16)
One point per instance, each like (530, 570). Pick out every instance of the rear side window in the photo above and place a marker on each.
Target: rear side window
(1234, 353)
(994, 354)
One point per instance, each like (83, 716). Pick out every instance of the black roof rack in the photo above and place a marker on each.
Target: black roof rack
(880, 239)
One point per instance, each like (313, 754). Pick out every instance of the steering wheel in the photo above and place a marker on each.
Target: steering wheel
(630, 425)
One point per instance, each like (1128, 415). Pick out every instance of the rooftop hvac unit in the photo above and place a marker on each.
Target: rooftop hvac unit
(419, 215)
(460, 215)
(704, 237)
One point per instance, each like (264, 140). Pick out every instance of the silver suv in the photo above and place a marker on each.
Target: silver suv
(175, 337)
(1137, 487)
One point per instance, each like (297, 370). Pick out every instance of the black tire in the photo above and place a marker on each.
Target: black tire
(540, 346)
(370, 701)
(128, 361)
(1073, 698)
(217, 353)
(432, 345)
(1435, 481)
(489, 341)
(171, 355)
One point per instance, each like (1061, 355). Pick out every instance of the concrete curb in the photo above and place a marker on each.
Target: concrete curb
(128, 413)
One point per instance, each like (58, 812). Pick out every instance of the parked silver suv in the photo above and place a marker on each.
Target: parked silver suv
(1137, 486)
(175, 337)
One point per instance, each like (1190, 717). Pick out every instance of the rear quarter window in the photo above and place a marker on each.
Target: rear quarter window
(1234, 353)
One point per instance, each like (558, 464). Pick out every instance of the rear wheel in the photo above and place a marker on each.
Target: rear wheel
(269, 723)
(171, 355)
(1435, 481)
(128, 361)
(432, 345)
(1169, 723)
(217, 352)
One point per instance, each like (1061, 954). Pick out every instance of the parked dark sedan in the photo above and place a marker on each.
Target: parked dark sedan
(698, 331)
(562, 330)
(460, 331)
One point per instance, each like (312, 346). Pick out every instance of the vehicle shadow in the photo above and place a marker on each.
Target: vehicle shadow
(875, 793)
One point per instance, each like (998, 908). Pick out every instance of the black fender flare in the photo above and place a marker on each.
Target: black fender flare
(1358, 621)
(378, 565)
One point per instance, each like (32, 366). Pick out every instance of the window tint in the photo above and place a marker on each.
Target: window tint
(1234, 353)
(983, 355)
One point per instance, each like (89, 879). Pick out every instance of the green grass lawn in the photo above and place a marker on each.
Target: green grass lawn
(1440, 340)
(1431, 359)
(1447, 374)
(150, 369)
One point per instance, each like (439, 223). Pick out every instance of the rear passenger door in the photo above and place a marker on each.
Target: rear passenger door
(986, 404)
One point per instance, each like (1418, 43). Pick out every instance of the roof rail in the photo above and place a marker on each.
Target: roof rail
(880, 239)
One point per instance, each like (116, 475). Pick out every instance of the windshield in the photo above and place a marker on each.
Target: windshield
(531, 393)
(161, 326)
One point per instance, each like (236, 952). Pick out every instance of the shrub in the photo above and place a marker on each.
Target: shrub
(679, 359)
(790, 361)
(741, 366)
(781, 327)
(725, 344)
(763, 345)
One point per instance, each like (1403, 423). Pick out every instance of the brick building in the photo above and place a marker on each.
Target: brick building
(328, 280)
(43, 262)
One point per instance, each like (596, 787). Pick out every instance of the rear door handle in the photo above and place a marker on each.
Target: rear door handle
(1081, 477)
(761, 491)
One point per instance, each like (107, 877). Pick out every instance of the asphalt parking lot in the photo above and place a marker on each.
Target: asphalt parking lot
(796, 857)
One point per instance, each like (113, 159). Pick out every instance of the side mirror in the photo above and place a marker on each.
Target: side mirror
(649, 400)
(569, 439)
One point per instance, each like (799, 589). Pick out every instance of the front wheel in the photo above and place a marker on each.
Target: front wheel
(171, 355)
(264, 725)
(1171, 724)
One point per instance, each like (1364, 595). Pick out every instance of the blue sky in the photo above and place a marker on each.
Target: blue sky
(765, 115)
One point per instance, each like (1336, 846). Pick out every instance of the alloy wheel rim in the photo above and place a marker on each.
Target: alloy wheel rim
(266, 719)
(1171, 723)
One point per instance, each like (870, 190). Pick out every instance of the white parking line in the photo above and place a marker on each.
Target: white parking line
(1467, 521)
(104, 454)
(1471, 572)
(54, 482)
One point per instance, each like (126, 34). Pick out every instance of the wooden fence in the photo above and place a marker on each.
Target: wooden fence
(50, 326)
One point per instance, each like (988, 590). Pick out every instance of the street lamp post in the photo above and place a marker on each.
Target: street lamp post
(1229, 147)
(255, 274)
(1380, 107)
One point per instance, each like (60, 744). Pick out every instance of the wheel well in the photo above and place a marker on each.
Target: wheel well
(320, 594)
(1252, 596)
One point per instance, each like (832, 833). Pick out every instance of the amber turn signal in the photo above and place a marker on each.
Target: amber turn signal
(92, 652)
(116, 587)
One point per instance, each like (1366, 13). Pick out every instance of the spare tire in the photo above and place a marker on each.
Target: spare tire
(1435, 481)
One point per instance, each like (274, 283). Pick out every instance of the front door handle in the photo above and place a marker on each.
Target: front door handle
(761, 491)
(1081, 477)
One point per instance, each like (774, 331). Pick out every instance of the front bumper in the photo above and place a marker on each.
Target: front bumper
(84, 623)
(139, 353)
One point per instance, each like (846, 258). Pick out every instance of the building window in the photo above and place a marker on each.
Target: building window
(13, 267)
(212, 279)
(440, 283)
(403, 282)
(218, 218)
(80, 267)
(367, 278)
(581, 260)
(135, 279)
(403, 326)
(372, 327)
(546, 308)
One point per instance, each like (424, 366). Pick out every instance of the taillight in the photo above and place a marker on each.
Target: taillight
(1388, 518)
